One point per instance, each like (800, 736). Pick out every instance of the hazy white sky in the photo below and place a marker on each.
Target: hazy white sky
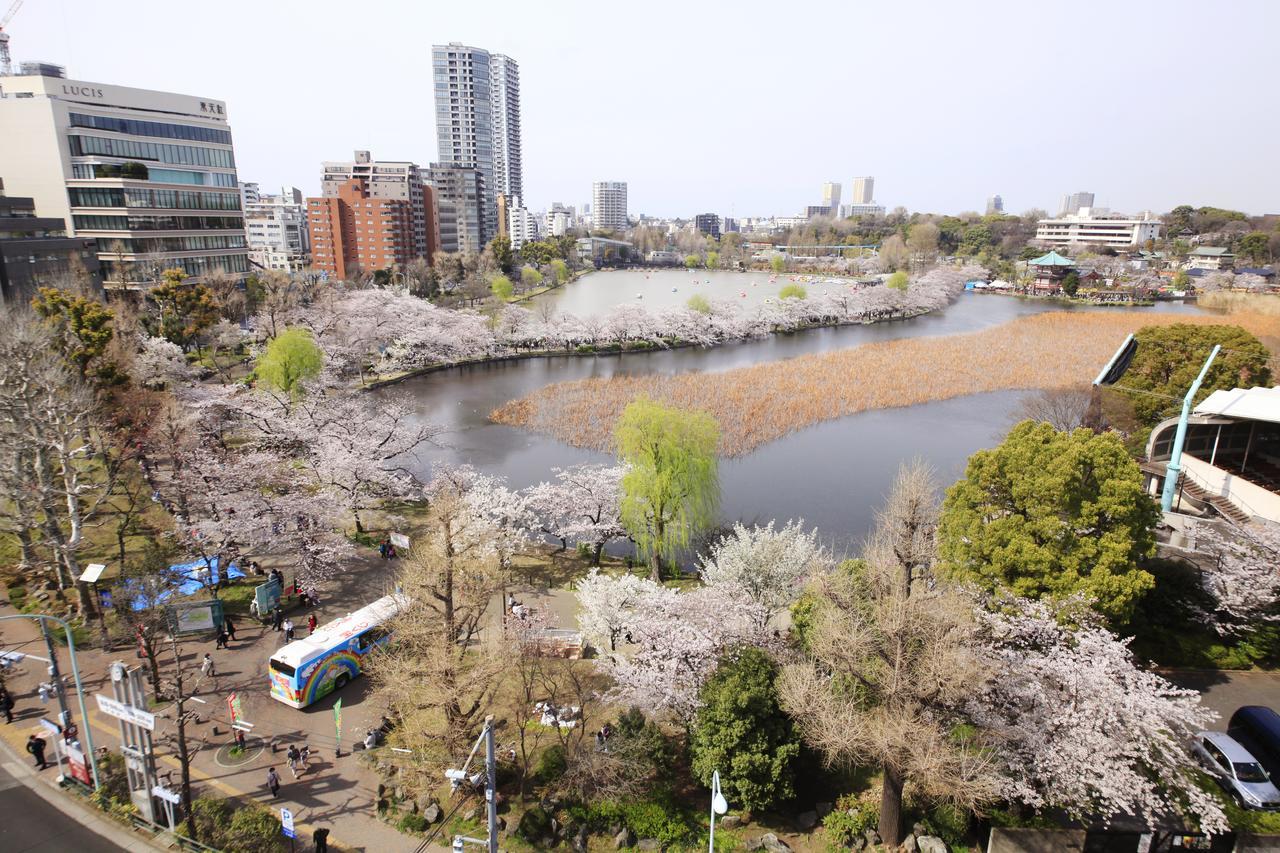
(739, 108)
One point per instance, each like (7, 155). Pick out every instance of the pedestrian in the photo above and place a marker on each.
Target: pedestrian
(273, 782)
(320, 840)
(294, 758)
(45, 690)
(277, 617)
(6, 705)
(230, 627)
(288, 630)
(206, 666)
(311, 624)
(305, 756)
(240, 739)
(35, 746)
(221, 642)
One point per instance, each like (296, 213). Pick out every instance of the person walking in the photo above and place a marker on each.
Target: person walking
(273, 782)
(6, 705)
(230, 627)
(320, 840)
(295, 759)
(221, 640)
(311, 624)
(207, 667)
(305, 755)
(288, 630)
(35, 746)
(277, 617)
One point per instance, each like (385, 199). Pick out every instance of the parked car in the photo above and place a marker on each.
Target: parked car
(1257, 729)
(1236, 770)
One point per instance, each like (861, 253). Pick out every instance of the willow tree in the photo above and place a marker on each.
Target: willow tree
(672, 486)
(290, 359)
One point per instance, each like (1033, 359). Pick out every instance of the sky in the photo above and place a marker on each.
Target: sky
(742, 109)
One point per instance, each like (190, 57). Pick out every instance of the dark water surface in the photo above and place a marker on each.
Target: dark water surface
(833, 475)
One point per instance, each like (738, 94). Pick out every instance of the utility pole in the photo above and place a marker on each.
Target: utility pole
(490, 791)
(180, 719)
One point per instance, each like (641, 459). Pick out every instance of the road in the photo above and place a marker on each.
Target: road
(28, 824)
(1226, 691)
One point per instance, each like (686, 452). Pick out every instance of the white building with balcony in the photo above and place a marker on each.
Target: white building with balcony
(1097, 227)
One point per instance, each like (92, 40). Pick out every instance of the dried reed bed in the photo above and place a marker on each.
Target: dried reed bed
(758, 404)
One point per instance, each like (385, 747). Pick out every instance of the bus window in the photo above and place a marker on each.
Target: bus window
(372, 637)
(282, 668)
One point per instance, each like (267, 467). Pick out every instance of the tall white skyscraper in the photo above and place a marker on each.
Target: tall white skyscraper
(609, 205)
(831, 197)
(478, 120)
(863, 190)
(1072, 203)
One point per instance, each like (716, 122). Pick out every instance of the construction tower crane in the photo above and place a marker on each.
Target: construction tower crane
(6, 65)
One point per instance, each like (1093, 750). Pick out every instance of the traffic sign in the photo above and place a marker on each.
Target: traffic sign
(128, 713)
(286, 823)
(165, 794)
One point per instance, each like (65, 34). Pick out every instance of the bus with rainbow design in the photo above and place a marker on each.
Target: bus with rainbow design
(313, 667)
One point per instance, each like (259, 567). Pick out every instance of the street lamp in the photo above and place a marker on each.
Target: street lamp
(719, 806)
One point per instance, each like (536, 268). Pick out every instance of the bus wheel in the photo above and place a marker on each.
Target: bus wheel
(341, 681)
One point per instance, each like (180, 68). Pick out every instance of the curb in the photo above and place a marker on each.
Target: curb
(83, 814)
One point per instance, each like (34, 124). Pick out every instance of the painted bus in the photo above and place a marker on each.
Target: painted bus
(313, 667)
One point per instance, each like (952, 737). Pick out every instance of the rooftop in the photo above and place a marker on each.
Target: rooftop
(1053, 259)
(1211, 252)
(1254, 404)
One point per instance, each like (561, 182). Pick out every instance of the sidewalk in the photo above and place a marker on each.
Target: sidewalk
(338, 792)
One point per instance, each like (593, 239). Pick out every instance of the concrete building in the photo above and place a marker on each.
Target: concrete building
(558, 220)
(392, 180)
(603, 250)
(522, 226)
(831, 196)
(813, 211)
(477, 101)
(707, 223)
(848, 210)
(728, 225)
(1072, 202)
(862, 190)
(151, 176)
(277, 228)
(35, 252)
(1097, 228)
(460, 196)
(1210, 258)
(609, 205)
(995, 204)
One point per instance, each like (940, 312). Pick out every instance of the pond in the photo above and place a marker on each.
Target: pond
(833, 475)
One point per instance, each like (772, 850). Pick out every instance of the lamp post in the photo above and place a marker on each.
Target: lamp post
(1175, 457)
(719, 806)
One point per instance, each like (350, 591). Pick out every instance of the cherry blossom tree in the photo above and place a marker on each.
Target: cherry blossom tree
(770, 566)
(1243, 576)
(582, 507)
(1078, 726)
(160, 362)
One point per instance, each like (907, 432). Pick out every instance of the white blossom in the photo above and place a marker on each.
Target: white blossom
(770, 566)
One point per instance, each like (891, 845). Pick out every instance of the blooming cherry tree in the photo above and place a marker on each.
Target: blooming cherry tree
(1244, 575)
(770, 566)
(583, 506)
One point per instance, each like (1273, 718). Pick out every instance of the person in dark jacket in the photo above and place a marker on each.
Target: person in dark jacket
(35, 746)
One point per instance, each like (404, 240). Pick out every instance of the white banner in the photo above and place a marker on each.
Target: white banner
(128, 713)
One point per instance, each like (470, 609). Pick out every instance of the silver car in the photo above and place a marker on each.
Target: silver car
(1236, 770)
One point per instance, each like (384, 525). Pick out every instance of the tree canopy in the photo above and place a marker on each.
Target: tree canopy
(182, 311)
(1169, 358)
(1052, 514)
(742, 731)
(82, 328)
(290, 359)
(672, 485)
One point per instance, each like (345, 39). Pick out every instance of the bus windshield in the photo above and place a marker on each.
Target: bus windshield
(282, 668)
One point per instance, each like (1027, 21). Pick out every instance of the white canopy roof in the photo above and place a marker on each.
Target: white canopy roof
(1254, 404)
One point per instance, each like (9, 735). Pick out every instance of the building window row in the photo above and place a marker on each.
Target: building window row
(199, 265)
(159, 199)
(183, 155)
(154, 245)
(92, 222)
(162, 130)
(94, 171)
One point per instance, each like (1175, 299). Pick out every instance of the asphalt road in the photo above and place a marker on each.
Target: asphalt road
(28, 824)
(1224, 692)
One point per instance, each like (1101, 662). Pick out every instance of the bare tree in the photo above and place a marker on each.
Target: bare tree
(1063, 409)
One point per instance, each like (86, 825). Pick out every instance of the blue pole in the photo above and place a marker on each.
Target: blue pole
(1175, 457)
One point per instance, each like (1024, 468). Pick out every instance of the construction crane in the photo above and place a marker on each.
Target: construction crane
(6, 65)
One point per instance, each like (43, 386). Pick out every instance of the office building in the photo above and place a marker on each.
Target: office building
(371, 215)
(862, 190)
(872, 209)
(609, 205)
(460, 196)
(522, 226)
(558, 220)
(995, 204)
(1101, 228)
(1072, 203)
(277, 228)
(36, 252)
(477, 100)
(707, 223)
(831, 197)
(813, 211)
(151, 176)
(728, 225)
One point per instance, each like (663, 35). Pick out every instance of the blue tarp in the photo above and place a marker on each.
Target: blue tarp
(189, 579)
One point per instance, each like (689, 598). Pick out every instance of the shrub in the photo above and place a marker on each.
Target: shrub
(898, 281)
(792, 291)
(644, 739)
(850, 818)
(535, 825)
(551, 764)
(415, 823)
(253, 828)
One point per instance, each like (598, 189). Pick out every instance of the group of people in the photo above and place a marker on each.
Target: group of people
(386, 550)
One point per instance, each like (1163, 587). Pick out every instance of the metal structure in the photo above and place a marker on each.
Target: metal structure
(42, 618)
(719, 806)
(1175, 457)
(457, 776)
(135, 743)
(6, 63)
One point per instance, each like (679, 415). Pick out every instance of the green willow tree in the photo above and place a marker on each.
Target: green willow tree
(1052, 514)
(898, 281)
(290, 359)
(672, 486)
(501, 287)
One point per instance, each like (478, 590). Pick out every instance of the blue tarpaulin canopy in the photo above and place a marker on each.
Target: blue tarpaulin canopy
(188, 579)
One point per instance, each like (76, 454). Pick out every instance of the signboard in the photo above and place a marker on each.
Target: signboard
(233, 705)
(128, 713)
(165, 794)
(193, 619)
(79, 767)
(53, 727)
(337, 721)
(267, 596)
(286, 823)
(8, 659)
(92, 572)
(400, 540)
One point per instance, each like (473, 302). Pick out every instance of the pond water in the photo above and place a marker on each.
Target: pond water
(833, 474)
(597, 292)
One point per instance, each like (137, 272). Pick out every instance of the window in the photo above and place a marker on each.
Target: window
(162, 130)
(184, 155)
(282, 668)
